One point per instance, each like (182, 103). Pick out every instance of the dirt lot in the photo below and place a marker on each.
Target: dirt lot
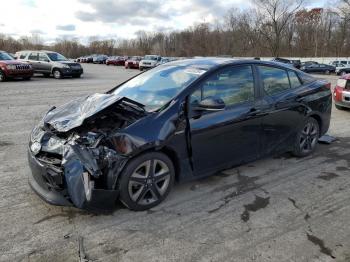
(275, 209)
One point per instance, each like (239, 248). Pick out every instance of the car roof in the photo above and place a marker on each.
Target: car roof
(208, 63)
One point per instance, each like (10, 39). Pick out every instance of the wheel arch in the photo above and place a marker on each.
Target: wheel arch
(54, 68)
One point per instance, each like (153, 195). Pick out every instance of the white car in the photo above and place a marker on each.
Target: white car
(342, 69)
(149, 61)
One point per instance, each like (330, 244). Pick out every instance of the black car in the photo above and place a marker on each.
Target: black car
(295, 63)
(318, 68)
(179, 121)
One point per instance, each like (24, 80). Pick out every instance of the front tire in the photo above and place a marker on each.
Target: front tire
(146, 181)
(2, 76)
(342, 73)
(307, 138)
(57, 74)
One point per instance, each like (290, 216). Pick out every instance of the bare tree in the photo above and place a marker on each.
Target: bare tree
(275, 16)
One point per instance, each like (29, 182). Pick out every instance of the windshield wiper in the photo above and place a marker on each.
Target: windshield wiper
(134, 104)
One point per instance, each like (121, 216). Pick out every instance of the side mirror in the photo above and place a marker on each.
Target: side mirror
(210, 104)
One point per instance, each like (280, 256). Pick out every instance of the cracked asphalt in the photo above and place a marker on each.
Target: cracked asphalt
(276, 209)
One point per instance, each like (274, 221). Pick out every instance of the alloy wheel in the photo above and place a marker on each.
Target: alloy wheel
(2, 77)
(149, 182)
(309, 137)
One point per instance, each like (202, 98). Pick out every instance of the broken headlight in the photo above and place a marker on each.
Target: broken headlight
(35, 148)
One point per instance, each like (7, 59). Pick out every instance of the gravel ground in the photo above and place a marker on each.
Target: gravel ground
(274, 209)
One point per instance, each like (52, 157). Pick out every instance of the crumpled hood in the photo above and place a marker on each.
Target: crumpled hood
(73, 114)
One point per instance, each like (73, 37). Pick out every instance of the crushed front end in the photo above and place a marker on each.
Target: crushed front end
(75, 164)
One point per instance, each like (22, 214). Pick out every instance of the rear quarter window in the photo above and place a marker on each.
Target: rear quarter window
(306, 78)
(294, 79)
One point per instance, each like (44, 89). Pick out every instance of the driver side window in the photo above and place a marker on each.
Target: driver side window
(43, 57)
(234, 85)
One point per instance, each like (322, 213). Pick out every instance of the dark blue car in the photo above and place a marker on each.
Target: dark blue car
(179, 121)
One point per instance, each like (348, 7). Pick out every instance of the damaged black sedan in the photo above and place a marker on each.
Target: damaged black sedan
(179, 121)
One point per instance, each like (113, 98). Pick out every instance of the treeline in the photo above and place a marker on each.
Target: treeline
(270, 28)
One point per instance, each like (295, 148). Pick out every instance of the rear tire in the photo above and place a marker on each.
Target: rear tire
(307, 138)
(146, 181)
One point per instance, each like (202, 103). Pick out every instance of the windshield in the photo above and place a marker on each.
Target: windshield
(56, 57)
(5, 56)
(158, 86)
(150, 57)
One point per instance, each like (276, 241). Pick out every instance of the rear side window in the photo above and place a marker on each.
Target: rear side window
(294, 79)
(275, 80)
(33, 56)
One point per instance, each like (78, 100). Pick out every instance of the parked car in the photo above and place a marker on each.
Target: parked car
(163, 60)
(295, 63)
(340, 62)
(179, 121)
(99, 59)
(116, 60)
(341, 93)
(342, 69)
(307, 63)
(48, 62)
(133, 62)
(318, 68)
(11, 68)
(149, 61)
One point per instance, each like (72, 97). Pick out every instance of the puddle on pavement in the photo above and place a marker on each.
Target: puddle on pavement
(259, 203)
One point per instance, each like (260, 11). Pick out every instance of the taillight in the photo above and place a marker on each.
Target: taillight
(338, 93)
(328, 85)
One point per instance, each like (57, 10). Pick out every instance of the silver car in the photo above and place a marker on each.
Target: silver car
(49, 62)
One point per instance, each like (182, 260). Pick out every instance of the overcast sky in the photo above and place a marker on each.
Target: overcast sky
(109, 18)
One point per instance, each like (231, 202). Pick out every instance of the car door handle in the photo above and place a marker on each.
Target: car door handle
(256, 112)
